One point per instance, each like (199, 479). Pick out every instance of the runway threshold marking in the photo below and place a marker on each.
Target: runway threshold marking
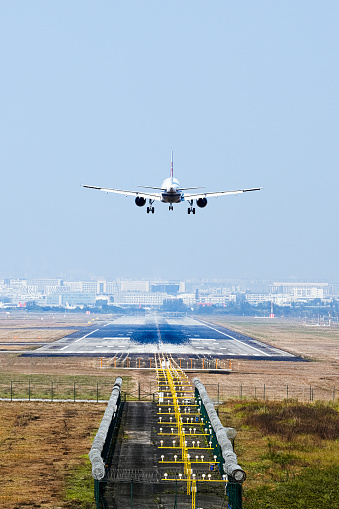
(244, 344)
(202, 339)
(118, 337)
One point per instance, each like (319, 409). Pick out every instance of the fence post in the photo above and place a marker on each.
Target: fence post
(97, 391)
(264, 392)
(52, 391)
(218, 394)
(29, 390)
(310, 393)
(97, 493)
(287, 392)
(74, 392)
(139, 390)
(240, 390)
(11, 390)
(333, 393)
(131, 493)
(234, 493)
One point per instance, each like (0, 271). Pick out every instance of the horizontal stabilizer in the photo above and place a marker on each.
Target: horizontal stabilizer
(150, 187)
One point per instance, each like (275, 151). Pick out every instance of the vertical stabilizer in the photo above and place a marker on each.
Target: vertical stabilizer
(172, 164)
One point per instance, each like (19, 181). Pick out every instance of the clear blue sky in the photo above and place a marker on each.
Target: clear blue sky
(244, 92)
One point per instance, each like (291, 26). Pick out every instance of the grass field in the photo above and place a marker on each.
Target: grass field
(290, 452)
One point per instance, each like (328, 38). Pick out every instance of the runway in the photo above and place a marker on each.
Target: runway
(147, 335)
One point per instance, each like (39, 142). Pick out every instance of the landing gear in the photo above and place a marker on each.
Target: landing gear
(150, 208)
(191, 208)
(170, 207)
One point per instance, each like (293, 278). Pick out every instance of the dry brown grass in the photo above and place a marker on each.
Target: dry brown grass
(40, 443)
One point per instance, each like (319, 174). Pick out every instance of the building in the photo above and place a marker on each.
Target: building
(70, 299)
(141, 299)
(301, 289)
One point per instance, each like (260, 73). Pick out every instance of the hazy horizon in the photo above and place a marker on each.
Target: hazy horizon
(245, 94)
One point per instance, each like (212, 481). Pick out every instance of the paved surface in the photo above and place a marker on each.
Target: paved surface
(137, 457)
(147, 335)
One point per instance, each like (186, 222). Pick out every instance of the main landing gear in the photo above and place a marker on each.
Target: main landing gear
(150, 208)
(191, 208)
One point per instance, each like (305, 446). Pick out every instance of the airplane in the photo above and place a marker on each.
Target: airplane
(170, 192)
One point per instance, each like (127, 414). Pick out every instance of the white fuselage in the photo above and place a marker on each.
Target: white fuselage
(171, 192)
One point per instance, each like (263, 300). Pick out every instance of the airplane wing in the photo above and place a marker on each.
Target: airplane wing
(189, 197)
(151, 196)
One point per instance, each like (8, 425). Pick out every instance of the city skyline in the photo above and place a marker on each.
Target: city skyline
(81, 293)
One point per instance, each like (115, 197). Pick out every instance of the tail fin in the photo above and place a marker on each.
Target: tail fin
(172, 164)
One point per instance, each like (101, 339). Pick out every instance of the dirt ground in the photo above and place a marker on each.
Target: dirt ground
(40, 443)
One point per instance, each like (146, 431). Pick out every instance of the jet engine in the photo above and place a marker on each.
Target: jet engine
(202, 202)
(140, 201)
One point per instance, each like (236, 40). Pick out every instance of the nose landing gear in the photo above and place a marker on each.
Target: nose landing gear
(170, 207)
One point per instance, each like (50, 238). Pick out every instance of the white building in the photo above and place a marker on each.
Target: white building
(187, 298)
(216, 299)
(134, 286)
(143, 299)
(299, 288)
(308, 293)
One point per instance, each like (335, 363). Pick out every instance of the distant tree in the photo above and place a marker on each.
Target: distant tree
(174, 305)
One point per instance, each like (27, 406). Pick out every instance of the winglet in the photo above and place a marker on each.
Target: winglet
(172, 164)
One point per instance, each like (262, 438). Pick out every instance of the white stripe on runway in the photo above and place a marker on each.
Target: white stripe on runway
(244, 344)
(118, 337)
(79, 339)
(202, 339)
(83, 337)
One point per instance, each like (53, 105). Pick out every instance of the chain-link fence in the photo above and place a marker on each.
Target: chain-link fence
(306, 393)
(98, 391)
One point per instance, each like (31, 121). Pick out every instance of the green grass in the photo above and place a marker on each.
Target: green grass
(79, 493)
(313, 488)
(289, 450)
(61, 387)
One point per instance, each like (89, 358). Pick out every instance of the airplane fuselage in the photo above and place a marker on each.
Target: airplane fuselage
(171, 192)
